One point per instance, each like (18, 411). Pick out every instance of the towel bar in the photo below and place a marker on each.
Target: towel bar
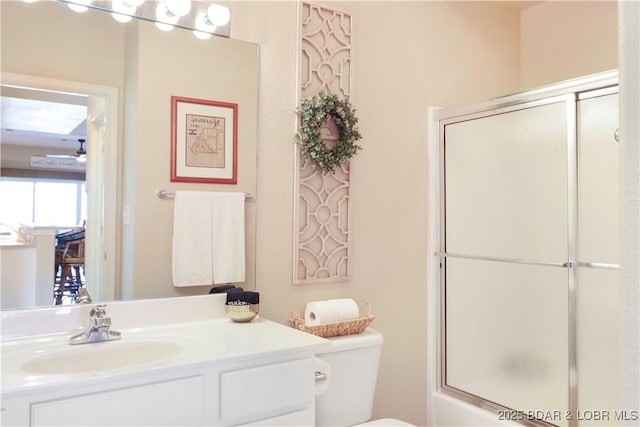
(164, 194)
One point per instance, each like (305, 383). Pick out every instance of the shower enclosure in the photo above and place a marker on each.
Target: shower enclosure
(528, 255)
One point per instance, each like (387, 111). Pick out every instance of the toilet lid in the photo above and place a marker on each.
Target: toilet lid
(386, 422)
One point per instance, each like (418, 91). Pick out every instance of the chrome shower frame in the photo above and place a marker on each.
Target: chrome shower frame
(569, 92)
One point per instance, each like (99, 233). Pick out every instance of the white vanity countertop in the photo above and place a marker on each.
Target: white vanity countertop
(14, 244)
(193, 338)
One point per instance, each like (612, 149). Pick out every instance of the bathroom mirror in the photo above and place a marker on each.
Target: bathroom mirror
(139, 68)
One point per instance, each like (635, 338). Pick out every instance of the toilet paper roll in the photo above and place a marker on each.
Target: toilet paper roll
(347, 308)
(323, 376)
(319, 312)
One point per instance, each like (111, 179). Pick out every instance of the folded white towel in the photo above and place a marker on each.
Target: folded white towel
(228, 237)
(208, 238)
(192, 246)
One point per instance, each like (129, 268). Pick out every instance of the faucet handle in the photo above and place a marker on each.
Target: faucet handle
(98, 311)
(98, 328)
(83, 297)
(102, 323)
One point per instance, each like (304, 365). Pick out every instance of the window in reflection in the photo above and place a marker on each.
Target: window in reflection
(42, 202)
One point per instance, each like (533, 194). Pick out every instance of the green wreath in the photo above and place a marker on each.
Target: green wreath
(313, 113)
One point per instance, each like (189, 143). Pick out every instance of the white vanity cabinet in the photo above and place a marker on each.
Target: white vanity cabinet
(177, 400)
(181, 363)
(275, 391)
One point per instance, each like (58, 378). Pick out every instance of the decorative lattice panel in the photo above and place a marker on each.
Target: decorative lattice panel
(322, 234)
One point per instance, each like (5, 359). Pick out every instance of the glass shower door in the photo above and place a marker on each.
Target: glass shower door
(508, 281)
(598, 297)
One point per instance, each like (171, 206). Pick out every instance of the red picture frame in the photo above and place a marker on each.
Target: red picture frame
(204, 141)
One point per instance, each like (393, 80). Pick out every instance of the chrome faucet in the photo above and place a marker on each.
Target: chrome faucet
(98, 329)
(83, 297)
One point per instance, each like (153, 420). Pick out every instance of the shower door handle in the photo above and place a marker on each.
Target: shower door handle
(599, 265)
(567, 264)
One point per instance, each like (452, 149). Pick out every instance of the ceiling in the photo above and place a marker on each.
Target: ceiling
(43, 119)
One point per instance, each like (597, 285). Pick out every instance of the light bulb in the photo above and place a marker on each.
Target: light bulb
(164, 27)
(201, 35)
(121, 6)
(132, 3)
(165, 20)
(120, 17)
(178, 7)
(204, 27)
(121, 12)
(79, 5)
(219, 15)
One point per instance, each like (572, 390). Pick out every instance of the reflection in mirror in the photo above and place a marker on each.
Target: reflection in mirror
(56, 186)
(204, 18)
(127, 74)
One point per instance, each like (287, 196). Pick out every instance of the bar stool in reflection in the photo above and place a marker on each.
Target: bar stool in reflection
(69, 263)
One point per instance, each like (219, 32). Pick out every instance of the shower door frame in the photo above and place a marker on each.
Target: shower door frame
(569, 92)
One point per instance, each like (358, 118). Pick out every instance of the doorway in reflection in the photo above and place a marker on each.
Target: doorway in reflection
(50, 198)
(53, 173)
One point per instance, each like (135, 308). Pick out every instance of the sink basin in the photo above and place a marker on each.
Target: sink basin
(101, 357)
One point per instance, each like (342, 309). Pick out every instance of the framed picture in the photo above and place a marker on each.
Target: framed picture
(204, 141)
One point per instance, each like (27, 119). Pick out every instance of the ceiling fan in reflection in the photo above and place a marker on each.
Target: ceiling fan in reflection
(80, 156)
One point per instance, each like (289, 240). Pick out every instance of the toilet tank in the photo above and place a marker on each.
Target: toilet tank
(354, 361)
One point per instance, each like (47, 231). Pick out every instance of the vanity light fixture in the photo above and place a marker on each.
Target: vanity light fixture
(168, 12)
(206, 23)
(120, 17)
(203, 17)
(79, 5)
(132, 3)
(218, 15)
(204, 27)
(122, 12)
(177, 7)
(165, 21)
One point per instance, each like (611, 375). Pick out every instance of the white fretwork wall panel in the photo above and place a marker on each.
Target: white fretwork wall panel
(323, 232)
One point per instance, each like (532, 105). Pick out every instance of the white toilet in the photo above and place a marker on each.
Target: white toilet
(353, 370)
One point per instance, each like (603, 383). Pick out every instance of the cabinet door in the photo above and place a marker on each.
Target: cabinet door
(167, 403)
(263, 392)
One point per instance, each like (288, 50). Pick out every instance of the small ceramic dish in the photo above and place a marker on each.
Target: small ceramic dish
(241, 313)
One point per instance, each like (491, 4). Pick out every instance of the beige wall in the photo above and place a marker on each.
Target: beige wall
(566, 39)
(407, 56)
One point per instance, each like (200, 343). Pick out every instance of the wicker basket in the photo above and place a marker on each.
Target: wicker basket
(326, 330)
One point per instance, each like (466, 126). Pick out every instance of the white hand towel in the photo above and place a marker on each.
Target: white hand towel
(228, 237)
(192, 250)
(208, 238)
